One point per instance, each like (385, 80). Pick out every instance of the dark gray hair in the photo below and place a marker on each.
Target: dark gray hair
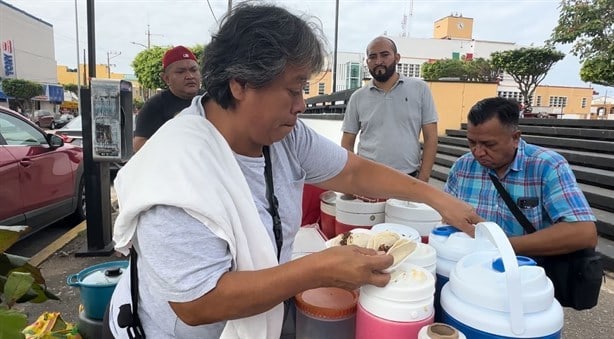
(504, 109)
(254, 45)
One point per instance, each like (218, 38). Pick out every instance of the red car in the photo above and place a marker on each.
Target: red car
(41, 177)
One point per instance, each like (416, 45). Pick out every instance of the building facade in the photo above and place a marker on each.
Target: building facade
(28, 53)
(453, 39)
(67, 76)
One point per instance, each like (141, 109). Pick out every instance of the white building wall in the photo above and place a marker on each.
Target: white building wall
(343, 58)
(34, 54)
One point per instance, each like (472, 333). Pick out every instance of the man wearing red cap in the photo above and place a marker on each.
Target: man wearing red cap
(182, 76)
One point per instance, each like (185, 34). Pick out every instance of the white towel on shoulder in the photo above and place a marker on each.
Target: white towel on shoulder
(188, 164)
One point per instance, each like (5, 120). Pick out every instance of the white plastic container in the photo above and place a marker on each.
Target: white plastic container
(421, 217)
(355, 213)
(494, 294)
(424, 256)
(398, 310)
(440, 331)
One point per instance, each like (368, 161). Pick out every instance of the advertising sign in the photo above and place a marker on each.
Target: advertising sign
(8, 59)
(106, 120)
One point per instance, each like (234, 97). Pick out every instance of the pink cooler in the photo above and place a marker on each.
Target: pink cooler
(328, 201)
(354, 213)
(400, 309)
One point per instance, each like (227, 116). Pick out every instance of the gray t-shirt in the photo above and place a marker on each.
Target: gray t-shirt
(181, 259)
(390, 122)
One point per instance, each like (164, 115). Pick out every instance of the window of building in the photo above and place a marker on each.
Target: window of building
(306, 88)
(558, 102)
(409, 70)
(354, 76)
(517, 96)
(583, 104)
(538, 101)
(321, 87)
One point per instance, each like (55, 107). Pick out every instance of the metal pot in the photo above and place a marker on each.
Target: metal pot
(96, 285)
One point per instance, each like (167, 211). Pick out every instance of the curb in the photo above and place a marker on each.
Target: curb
(55, 246)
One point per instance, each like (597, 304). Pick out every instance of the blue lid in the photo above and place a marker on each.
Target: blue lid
(445, 230)
(497, 265)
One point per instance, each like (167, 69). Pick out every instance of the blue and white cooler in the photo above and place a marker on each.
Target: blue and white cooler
(495, 294)
(451, 245)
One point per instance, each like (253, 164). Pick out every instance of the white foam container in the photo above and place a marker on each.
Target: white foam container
(421, 217)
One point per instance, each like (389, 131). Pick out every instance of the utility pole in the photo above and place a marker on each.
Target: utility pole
(149, 34)
(229, 5)
(111, 55)
(335, 50)
(78, 61)
(85, 82)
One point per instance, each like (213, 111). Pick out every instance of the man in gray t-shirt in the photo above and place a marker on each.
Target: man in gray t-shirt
(389, 113)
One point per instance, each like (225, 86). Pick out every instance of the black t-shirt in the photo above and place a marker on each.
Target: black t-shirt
(156, 111)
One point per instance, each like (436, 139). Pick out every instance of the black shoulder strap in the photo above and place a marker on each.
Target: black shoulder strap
(273, 203)
(129, 318)
(522, 219)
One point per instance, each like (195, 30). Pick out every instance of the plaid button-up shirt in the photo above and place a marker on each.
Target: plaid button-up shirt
(537, 175)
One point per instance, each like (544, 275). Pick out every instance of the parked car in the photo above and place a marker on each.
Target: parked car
(73, 133)
(43, 119)
(63, 120)
(42, 177)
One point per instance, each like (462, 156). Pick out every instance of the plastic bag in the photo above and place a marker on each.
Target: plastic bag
(50, 325)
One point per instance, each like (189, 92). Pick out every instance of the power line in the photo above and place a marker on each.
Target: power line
(212, 13)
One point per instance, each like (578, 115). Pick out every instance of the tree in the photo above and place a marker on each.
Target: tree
(23, 91)
(476, 70)
(481, 70)
(147, 65)
(444, 68)
(599, 70)
(71, 87)
(527, 66)
(588, 25)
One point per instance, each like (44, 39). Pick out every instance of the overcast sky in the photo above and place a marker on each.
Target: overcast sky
(189, 22)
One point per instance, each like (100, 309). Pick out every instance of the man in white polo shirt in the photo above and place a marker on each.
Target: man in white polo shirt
(389, 112)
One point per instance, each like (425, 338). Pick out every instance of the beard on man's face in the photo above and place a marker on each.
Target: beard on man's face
(382, 73)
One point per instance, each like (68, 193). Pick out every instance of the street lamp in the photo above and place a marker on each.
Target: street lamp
(139, 44)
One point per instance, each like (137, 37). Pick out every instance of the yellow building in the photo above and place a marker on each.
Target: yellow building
(68, 76)
(454, 99)
(453, 27)
(321, 83)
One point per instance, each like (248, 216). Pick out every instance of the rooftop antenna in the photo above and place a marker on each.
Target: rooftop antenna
(407, 20)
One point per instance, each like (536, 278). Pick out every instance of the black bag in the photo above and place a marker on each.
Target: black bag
(576, 276)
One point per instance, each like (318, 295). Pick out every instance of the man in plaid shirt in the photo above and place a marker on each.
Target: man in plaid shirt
(539, 180)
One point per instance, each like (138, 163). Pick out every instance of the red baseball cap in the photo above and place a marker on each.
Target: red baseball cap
(175, 54)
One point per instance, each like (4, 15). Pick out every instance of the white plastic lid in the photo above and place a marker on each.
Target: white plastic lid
(424, 255)
(407, 297)
(453, 245)
(411, 211)
(478, 280)
(329, 197)
(357, 206)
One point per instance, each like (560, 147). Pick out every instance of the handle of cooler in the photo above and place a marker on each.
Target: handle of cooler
(492, 232)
